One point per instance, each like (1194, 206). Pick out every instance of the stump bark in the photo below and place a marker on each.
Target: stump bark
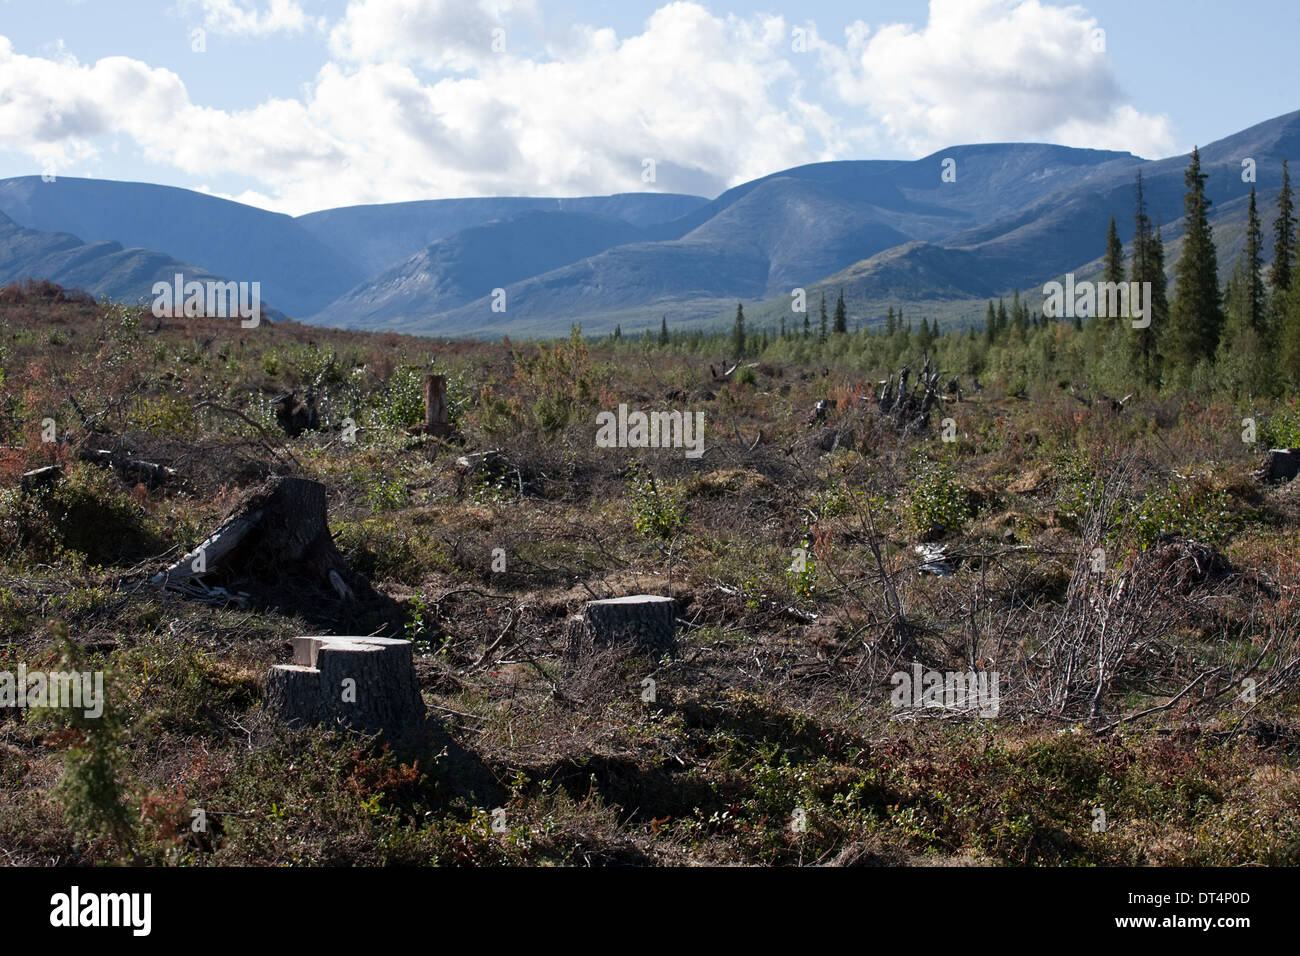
(435, 406)
(274, 540)
(647, 622)
(362, 683)
(296, 415)
(1280, 464)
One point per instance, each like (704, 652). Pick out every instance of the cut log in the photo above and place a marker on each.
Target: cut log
(362, 683)
(212, 553)
(647, 622)
(46, 477)
(134, 469)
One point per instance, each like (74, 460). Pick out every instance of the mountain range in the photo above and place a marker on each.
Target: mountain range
(939, 235)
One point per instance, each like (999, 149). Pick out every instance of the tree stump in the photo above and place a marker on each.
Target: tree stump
(435, 406)
(275, 540)
(647, 622)
(363, 683)
(296, 415)
(1280, 464)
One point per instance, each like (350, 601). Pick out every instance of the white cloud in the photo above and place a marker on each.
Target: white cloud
(439, 34)
(237, 18)
(694, 92)
(713, 100)
(989, 70)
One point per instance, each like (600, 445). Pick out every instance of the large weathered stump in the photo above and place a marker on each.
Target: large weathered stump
(646, 622)
(363, 683)
(1280, 464)
(271, 544)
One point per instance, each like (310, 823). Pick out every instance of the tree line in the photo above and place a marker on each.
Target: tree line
(1241, 336)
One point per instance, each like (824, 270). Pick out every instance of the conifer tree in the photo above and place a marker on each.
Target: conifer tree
(1114, 268)
(1114, 271)
(1148, 266)
(822, 335)
(1196, 314)
(841, 316)
(663, 333)
(738, 332)
(1284, 248)
(1252, 266)
(1288, 336)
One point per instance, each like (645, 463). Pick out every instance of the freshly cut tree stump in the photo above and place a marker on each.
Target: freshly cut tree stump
(363, 683)
(1280, 464)
(645, 621)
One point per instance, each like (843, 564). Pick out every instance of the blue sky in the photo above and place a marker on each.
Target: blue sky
(297, 105)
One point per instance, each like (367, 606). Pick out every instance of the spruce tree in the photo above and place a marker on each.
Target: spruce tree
(1196, 315)
(1288, 336)
(1252, 266)
(1245, 361)
(889, 321)
(990, 324)
(738, 332)
(1114, 271)
(1148, 266)
(1019, 312)
(841, 316)
(1284, 239)
(1114, 268)
(822, 335)
(663, 333)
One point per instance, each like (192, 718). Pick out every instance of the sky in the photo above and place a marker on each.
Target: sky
(298, 105)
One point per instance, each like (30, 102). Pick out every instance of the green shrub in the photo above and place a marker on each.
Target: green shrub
(656, 511)
(98, 798)
(88, 513)
(937, 503)
(1189, 512)
(1282, 428)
